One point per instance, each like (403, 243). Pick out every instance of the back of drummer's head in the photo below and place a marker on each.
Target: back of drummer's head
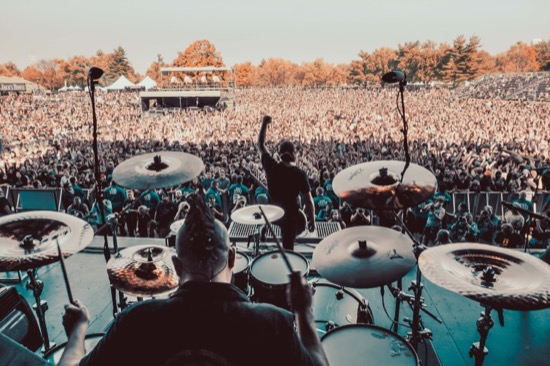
(202, 242)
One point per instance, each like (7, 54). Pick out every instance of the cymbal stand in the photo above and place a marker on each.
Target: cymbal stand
(40, 307)
(484, 324)
(416, 334)
(255, 239)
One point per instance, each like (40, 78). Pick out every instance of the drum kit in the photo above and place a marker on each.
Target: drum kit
(358, 257)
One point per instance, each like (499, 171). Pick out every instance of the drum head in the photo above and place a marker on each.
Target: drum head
(362, 344)
(241, 262)
(271, 268)
(332, 303)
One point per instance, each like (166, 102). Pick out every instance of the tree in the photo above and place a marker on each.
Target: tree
(313, 74)
(32, 74)
(77, 70)
(119, 65)
(244, 74)
(198, 54)
(275, 72)
(154, 71)
(429, 60)
(472, 59)
(543, 55)
(51, 77)
(370, 67)
(409, 59)
(9, 69)
(519, 58)
(103, 61)
(455, 69)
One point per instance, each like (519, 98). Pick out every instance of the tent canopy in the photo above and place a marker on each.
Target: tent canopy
(148, 83)
(120, 84)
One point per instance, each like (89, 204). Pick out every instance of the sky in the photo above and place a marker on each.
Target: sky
(252, 30)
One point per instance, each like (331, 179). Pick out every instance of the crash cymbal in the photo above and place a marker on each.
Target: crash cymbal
(251, 215)
(364, 256)
(510, 205)
(29, 239)
(143, 270)
(175, 226)
(376, 185)
(500, 277)
(147, 171)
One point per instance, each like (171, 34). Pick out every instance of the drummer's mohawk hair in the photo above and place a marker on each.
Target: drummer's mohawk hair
(199, 233)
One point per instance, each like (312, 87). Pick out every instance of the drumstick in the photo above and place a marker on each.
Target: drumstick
(285, 258)
(64, 270)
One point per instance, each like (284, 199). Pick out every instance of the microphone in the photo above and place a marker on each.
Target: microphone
(95, 73)
(394, 77)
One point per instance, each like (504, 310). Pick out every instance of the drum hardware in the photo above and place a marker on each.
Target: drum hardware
(498, 278)
(29, 240)
(40, 307)
(90, 341)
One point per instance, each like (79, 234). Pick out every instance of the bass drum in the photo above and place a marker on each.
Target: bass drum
(335, 305)
(240, 272)
(91, 340)
(269, 276)
(364, 344)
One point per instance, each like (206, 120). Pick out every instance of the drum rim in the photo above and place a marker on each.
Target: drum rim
(248, 261)
(372, 326)
(351, 291)
(291, 252)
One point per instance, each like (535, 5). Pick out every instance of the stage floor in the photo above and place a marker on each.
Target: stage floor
(523, 340)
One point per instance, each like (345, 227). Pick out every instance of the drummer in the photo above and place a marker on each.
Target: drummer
(210, 318)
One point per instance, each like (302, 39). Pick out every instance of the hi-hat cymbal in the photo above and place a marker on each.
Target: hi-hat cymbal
(148, 172)
(29, 239)
(364, 256)
(376, 185)
(251, 215)
(143, 270)
(500, 277)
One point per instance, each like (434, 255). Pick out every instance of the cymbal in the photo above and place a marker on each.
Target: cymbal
(143, 270)
(251, 215)
(364, 256)
(175, 226)
(29, 239)
(376, 185)
(523, 211)
(143, 172)
(500, 277)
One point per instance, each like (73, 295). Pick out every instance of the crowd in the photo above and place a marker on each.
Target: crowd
(468, 144)
(532, 86)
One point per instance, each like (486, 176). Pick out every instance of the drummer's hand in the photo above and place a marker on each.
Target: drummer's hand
(300, 294)
(266, 120)
(311, 226)
(75, 315)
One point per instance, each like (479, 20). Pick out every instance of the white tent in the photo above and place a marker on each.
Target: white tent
(147, 83)
(120, 84)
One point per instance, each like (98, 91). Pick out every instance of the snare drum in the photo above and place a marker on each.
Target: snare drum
(269, 276)
(364, 344)
(240, 271)
(55, 353)
(335, 305)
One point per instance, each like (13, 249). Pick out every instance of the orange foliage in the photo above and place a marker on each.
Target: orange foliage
(9, 69)
(519, 58)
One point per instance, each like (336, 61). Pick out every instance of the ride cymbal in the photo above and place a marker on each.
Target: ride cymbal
(29, 239)
(143, 270)
(251, 215)
(500, 277)
(377, 185)
(364, 256)
(157, 170)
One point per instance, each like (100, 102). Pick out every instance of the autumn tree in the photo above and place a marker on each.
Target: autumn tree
(313, 74)
(154, 71)
(9, 69)
(51, 74)
(31, 73)
(244, 74)
(542, 49)
(454, 70)
(275, 72)
(429, 60)
(103, 61)
(519, 58)
(76, 69)
(409, 59)
(371, 67)
(198, 54)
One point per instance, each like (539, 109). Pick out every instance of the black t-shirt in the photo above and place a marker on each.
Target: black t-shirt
(166, 212)
(216, 317)
(284, 183)
(5, 206)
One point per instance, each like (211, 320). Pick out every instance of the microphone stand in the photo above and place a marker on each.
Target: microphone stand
(98, 191)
